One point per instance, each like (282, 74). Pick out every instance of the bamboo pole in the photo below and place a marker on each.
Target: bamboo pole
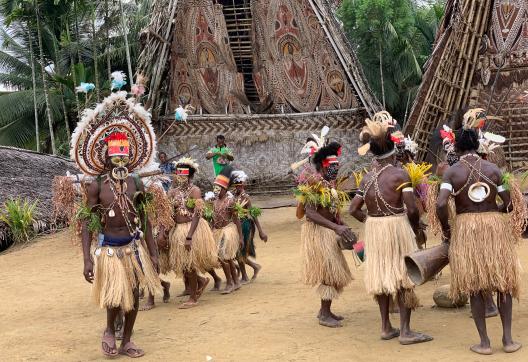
(127, 48)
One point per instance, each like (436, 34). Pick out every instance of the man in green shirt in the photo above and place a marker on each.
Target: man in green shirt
(221, 154)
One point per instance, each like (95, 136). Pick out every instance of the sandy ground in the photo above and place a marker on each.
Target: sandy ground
(47, 314)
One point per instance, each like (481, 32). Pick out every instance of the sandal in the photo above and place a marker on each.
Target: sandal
(110, 342)
(188, 305)
(131, 350)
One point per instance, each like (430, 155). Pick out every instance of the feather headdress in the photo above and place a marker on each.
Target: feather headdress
(187, 161)
(239, 177)
(313, 144)
(376, 131)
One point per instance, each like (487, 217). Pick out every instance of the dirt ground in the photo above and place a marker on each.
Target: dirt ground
(47, 314)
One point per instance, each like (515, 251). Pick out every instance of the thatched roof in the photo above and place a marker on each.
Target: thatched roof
(29, 174)
(478, 61)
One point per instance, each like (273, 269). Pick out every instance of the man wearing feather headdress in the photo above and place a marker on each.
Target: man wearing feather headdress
(324, 233)
(482, 252)
(114, 210)
(392, 225)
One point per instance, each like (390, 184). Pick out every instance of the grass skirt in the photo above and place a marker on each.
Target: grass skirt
(164, 262)
(323, 261)
(388, 240)
(203, 254)
(227, 241)
(248, 231)
(118, 275)
(482, 255)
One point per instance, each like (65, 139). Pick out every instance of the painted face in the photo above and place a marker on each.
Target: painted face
(216, 190)
(119, 167)
(180, 180)
(331, 172)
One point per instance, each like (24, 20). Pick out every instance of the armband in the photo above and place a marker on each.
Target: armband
(501, 188)
(446, 186)
(408, 189)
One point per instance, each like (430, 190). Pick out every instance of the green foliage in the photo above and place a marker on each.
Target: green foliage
(93, 219)
(401, 33)
(208, 211)
(190, 203)
(68, 44)
(19, 216)
(255, 212)
(507, 179)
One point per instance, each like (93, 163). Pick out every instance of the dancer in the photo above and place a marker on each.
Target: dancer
(191, 242)
(482, 252)
(390, 229)
(323, 262)
(103, 147)
(249, 221)
(227, 230)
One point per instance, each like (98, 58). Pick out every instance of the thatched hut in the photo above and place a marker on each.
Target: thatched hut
(479, 60)
(264, 73)
(29, 175)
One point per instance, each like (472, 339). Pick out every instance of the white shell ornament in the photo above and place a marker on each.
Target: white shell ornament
(111, 213)
(110, 252)
(478, 192)
(97, 252)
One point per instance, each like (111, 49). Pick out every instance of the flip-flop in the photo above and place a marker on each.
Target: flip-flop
(395, 333)
(187, 305)
(419, 338)
(130, 346)
(110, 341)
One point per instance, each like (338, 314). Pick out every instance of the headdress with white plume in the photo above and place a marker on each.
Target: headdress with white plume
(313, 144)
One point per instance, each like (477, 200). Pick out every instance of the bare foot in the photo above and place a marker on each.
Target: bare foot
(414, 337)
(244, 281)
(217, 285)
(257, 269)
(166, 291)
(147, 306)
(238, 285)
(201, 289)
(335, 316)
(392, 333)
(511, 347)
(330, 322)
(477, 348)
(230, 288)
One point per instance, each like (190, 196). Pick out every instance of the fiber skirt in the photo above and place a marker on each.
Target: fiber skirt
(388, 240)
(203, 254)
(323, 261)
(227, 241)
(119, 271)
(482, 255)
(164, 261)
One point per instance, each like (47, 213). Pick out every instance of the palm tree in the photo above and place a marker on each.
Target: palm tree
(44, 85)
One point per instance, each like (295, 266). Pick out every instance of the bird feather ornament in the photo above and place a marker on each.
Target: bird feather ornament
(375, 128)
(312, 146)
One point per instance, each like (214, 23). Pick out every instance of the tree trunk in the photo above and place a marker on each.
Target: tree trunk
(74, 74)
(77, 36)
(381, 75)
(44, 84)
(127, 49)
(108, 62)
(34, 81)
(95, 56)
(65, 112)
